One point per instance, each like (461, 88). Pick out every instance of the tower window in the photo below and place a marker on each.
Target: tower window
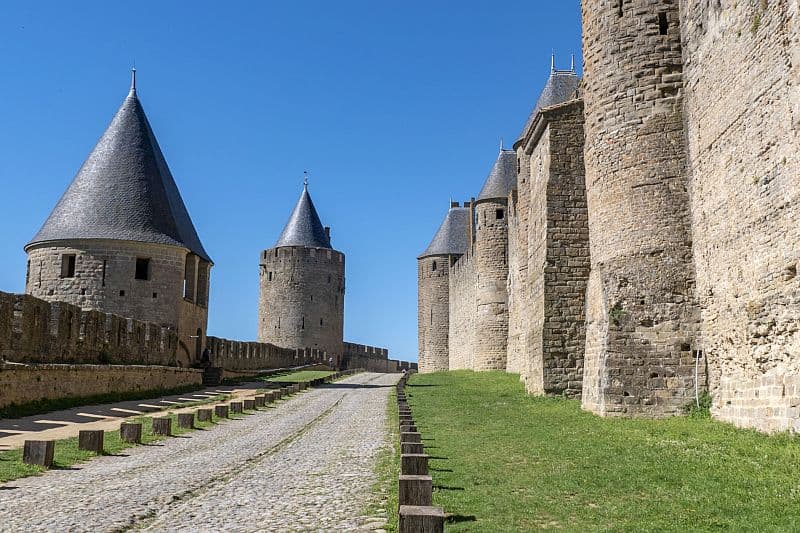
(68, 266)
(142, 268)
(303, 323)
(433, 266)
(155, 295)
(269, 276)
(320, 321)
(663, 24)
(619, 8)
(122, 293)
(499, 214)
(329, 278)
(105, 262)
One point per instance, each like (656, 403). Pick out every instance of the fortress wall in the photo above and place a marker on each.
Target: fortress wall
(433, 313)
(463, 313)
(515, 288)
(24, 383)
(301, 301)
(36, 331)
(742, 110)
(642, 320)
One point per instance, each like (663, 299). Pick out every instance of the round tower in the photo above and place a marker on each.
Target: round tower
(121, 241)
(433, 289)
(302, 283)
(491, 264)
(641, 315)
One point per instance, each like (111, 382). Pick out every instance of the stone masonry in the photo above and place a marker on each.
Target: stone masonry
(685, 127)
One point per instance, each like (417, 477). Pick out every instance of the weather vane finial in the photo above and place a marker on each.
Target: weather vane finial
(305, 179)
(553, 60)
(501, 144)
(572, 66)
(133, 77)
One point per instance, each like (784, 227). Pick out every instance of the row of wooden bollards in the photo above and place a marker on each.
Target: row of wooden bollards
(415, 495)
(40, 452)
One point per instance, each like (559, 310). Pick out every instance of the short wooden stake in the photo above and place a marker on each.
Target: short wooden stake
(409, 436)
(91, 440)
(38, 452)
(421, 519)
(236, 407)
(221, 411)
(162, 426)
(260, 400)
(131, 432)
(204, 415)
(415, 490)
(249, 404)
(414, 464)
(411, 447)
(186, 420)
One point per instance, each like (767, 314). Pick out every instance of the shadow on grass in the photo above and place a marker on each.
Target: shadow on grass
(443, 487)
(439, 458)
(62, 467)
(440, 469)
(456, 518)
(109, 454)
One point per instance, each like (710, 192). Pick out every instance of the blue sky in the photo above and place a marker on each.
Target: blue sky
(393, 107)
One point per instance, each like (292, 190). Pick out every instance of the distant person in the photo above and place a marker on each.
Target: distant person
(206, 357)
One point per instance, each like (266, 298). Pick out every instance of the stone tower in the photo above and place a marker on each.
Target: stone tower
(491, 263)
(120, 239)
(641, 314)
(433, 301)
(301, 302)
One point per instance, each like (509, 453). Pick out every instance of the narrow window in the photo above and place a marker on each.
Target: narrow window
(320, 321)
(28, 273)
(279, 322)
(303, 323)
(329, 278)
(431, 316)
(663, 24)
(41, 267)
(104, 272)
(155, 295)
(619, 8)
(122, 293)
(312, 297)
(269, 276)
(499, 214)
(433, 266)
(142, 268)
(68, 266)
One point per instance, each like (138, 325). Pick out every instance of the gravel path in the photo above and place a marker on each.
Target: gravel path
(305, 465)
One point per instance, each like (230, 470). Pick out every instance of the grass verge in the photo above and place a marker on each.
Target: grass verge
(504, 461)
(388, 470)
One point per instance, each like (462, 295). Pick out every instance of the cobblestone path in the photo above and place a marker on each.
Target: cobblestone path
(305, 465)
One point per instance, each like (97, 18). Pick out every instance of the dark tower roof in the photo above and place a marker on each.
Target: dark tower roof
(123, 191)
(560, 88)
(451, 237)
(502, 178)
(304, 227)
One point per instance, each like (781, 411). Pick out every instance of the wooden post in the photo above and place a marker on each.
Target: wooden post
(162, 426)
(249, 404)
(221, 411)
(236, 407)
(415, 490)
(421, 519)
(186, 420)
(38, 452)
(407, 428)
(131, 432)
(411, 447)
(204, 415)
(91, 440)
(260, 400)
(414, 464)
(409, 436)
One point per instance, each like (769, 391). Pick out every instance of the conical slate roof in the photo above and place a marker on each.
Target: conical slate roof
(304, 227)
(560, 88)
(502, 178)
(451, 237)
(123, 191)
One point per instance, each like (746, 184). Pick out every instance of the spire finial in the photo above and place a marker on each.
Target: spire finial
(305, 179)
(133, 78)
(572, 65)
(501, 144)
(553, 60)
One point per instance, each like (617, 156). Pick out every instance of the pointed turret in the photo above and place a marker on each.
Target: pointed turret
(304, 227)
(560, 87)
(123, 191)
(451, 237)
(502, 178)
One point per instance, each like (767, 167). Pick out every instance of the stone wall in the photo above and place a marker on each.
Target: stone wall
(558, 247)
(243, 356)
(742, 110)
(36, 331)
(463, 312)
(104, 279)
(433, 312)
(23, 383)
(301, 301)
(642, 319)
(491, 300)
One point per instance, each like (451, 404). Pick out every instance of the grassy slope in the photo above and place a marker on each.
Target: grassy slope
(508, 462)
(300, 375)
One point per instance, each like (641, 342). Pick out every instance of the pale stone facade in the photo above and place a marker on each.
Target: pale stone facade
(686, 129)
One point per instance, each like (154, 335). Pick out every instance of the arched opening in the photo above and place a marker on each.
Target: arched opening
(198, 345)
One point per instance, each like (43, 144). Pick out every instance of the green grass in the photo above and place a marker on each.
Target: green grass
(504, 461)
(388, 468)
(47, 405)
(67, 454)
(300, 375)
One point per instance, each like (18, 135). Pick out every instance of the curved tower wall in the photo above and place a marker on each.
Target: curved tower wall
(491, 265)
(641, 315)
(301, 300)
(433, 312)
(103, 276)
